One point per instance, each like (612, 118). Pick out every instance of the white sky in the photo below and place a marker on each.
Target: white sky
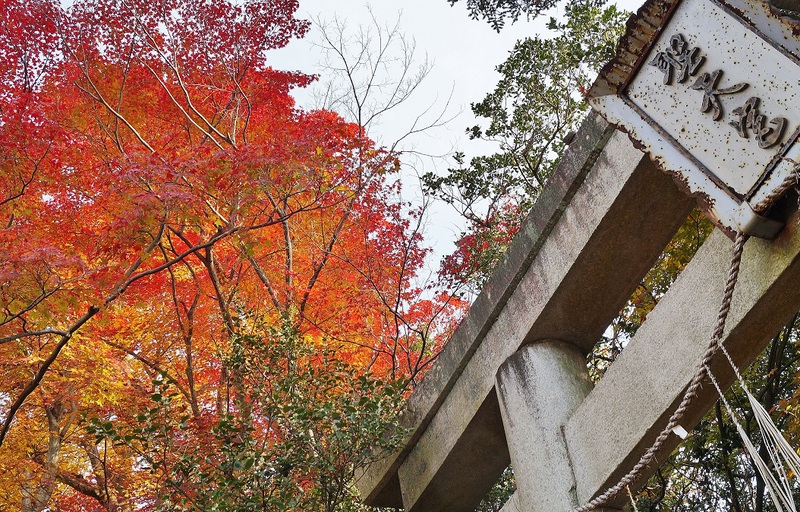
(464, 53)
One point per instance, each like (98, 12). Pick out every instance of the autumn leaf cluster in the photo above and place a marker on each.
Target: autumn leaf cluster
(161, 200)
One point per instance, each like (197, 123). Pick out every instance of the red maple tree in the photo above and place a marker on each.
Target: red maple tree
(159, 190)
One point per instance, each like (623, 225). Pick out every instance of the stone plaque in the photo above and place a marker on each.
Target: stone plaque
(713, 99)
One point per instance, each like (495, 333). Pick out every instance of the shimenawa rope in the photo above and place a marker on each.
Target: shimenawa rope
(790, 181)
(691, 391)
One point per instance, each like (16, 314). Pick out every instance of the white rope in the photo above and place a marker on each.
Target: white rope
(781, 454)
(633, 501)
(784, 458)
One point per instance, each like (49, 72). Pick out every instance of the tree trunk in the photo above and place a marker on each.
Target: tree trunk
(38, 497)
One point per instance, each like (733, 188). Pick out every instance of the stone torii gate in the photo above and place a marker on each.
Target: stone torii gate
(512, 386)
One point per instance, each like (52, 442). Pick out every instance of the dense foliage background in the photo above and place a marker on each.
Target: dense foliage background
(207, 295)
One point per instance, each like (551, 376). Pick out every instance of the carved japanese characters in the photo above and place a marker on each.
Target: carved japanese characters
(682, 61)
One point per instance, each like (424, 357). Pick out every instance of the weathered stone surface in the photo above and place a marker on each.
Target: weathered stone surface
(462, 480)
(625, 412)
(538, 388)
(379, 483)
(608, 236)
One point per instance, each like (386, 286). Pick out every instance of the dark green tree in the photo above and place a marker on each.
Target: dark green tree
(303, 424)
(496, 12)
(537, 102)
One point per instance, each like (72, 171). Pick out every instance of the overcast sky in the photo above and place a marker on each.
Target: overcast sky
(463, 53)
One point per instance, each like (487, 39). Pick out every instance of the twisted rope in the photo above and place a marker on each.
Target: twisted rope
(792, 180)
(691, 391)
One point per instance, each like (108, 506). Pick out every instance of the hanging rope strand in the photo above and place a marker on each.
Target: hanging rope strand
(789, 182)
(783, 457)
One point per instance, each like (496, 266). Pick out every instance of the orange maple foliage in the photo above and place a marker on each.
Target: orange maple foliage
(156, 183)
